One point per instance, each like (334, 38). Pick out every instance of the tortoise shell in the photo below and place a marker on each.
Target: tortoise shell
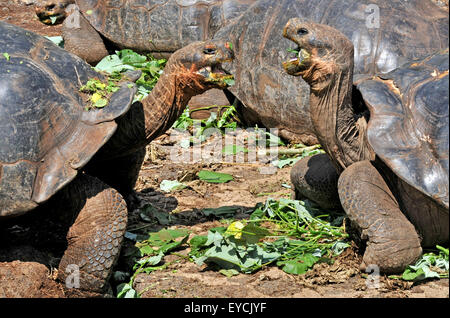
(46, 135)
(409, 127)
(159, 25)
(385, 34)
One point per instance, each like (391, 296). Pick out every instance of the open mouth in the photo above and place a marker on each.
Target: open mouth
(298, 63)
(217, 75)
(49, 18)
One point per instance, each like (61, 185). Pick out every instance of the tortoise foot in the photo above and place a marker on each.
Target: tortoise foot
(94, 240)
(392, 241)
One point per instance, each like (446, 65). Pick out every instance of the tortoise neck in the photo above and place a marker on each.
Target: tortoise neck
(340, 129)
(167, 101)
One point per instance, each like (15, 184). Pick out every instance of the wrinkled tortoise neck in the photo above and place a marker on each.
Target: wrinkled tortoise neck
(340, 130)
(168, 99)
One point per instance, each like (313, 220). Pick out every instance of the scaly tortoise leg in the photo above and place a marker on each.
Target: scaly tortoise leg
(95, 239)
(316, 178)
(392, 241)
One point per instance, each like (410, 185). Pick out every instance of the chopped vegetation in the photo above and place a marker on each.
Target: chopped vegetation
(290, 234)
(99, 92)
(289, 158)
(227, 120)
(431, 265)
(114, 67)
(58, 40)
(127, 60)
(171, 185)
(6, 55)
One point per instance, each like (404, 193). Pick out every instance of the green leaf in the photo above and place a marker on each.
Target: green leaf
(6, 55)
(281, 163)
(249, 234)
(338, 247)
(130, 57)
(229, 272)
(100, 103)
(125, 290)
(220, 212)
(233, 149)
(151, 261)
(412, 275)
(214, 177)
(171, 185)
(58, 40)
(198, 241)
(445, 251)
(229, 81)
(146, 250)
(308, 259)
(294, 267)
(111, 64)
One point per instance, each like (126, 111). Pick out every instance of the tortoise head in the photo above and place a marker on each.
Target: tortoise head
(199, 65)
(322, 51)
(52, 11)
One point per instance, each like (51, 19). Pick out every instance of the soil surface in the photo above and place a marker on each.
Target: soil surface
(29, 256)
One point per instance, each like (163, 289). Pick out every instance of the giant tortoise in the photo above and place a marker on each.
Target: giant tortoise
(266, 96)
(408, 29)
(56, 154)
(162, 26)
(388, 139)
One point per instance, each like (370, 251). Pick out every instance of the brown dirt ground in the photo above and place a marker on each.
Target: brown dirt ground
(29, 271)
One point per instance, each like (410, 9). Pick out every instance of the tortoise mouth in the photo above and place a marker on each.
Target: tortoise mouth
(50, 14)
(298, 63)
(50, 18)
(216, 75)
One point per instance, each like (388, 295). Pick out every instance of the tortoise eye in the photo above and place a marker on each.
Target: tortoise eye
(209, 51)
(302, 31)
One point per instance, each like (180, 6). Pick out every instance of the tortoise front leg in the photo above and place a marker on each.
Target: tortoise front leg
(392, 241)
(316, 178)
(95, 238)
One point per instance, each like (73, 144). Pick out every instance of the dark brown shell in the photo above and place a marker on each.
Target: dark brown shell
(162, 25)
(409, 123)
(46, 135)
(406, 30)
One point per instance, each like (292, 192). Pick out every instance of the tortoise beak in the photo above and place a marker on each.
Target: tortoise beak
(217, 76)
(297, 64)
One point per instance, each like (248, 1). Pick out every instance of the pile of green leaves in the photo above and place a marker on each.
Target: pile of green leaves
(227, 120)
(149, 254)
(287, 233)
(296, 238)
(430, 265)
(117, 64)
(290, 160)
